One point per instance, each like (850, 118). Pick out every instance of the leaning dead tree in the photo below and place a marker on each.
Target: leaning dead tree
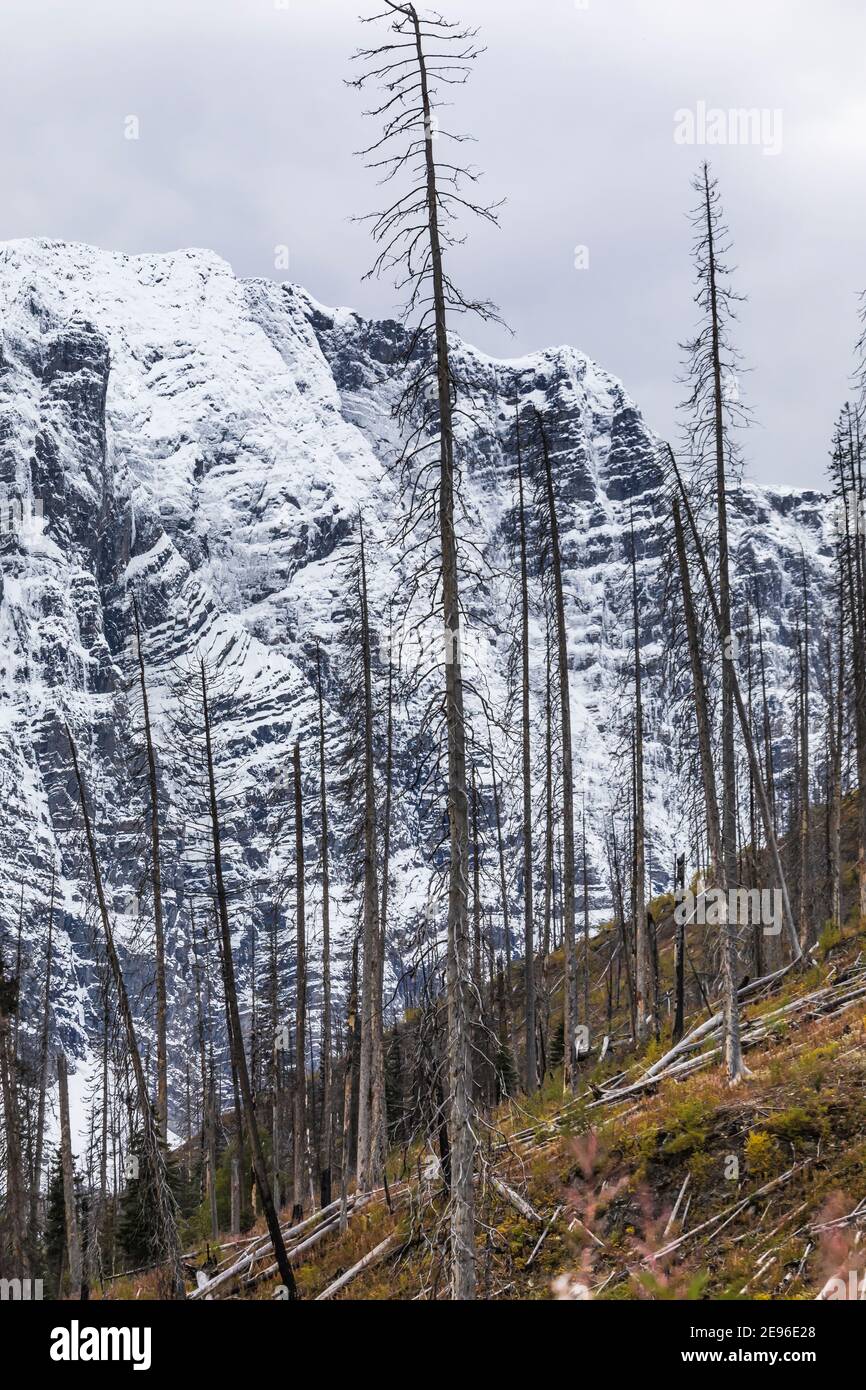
(235, 1035)
(165, 1206)
(745, 722)
(420, 57)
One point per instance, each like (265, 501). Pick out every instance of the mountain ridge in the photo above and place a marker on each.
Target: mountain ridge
(206, 442)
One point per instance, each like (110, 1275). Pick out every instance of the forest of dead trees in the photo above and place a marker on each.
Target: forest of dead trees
(283, 1092)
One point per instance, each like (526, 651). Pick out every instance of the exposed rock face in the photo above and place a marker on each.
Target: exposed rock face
(206, 443)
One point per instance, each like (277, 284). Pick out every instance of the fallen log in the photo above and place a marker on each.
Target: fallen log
(372, 1258)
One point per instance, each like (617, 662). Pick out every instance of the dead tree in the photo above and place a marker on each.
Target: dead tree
(528, 921)
(15, 1204)
(156, 879)
(36, 1177)
(235, 1035)
(568, 868)
(713, 407)
(699, 696)
(645, 998)
(359, 790)
(165, 1213)
(326, 1144)
(70, 1200)
(300, 1135)
(414, 233)
(808, 934)
(745, 724)
(847, 472)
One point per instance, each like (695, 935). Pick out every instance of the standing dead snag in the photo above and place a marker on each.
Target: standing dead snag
(528, 942)
(156, 874)
(713, 407)
(162, 1195)
(851, 501)
(326, 1141)
(699, 695)
(646, 1002)
(745, 723)
(413, 233)
(235, 1035)
(70, 1202)
(359, 790)
(43, 1069)
(568, 866)
(15, 1207)
(300, 1137)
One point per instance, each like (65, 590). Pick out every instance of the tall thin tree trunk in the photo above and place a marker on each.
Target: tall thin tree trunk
(570, 986)
(43, 1070)
(236, 1037)
(156, 879)
(166, 1206)
(528, 922)
(745, 729)
(462, 1135)
(15, 1204)
(733, 1050)
(349, 1074)
(371, 1079)
(300, 1136)
(70, 1203)
(699, 695)
(327, 1126)
(645, 1002)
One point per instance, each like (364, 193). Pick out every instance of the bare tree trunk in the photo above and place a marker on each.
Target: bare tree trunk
(766, 813)
(528, 924)
(15, 1205)
(349, 1085)
(547, 934)
(835, 723)
(585, 917)
(855, 560)
(327, 1127)
(699, 693)
(43, 1071)
(733, 1051)
(156, 878)
(235, 1035)
(300, 1136)
(73, 1240)
(807, 932)
(371, 1080)
(645, 1002)
(570, 987)
(166, 1207)
(503, 890)
(461, 1137)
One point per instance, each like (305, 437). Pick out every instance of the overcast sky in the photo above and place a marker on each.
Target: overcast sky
(246, 139)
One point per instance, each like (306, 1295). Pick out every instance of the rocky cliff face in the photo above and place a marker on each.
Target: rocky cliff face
(206, 444)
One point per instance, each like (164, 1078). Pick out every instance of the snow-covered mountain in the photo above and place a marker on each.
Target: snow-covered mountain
(206, 443)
